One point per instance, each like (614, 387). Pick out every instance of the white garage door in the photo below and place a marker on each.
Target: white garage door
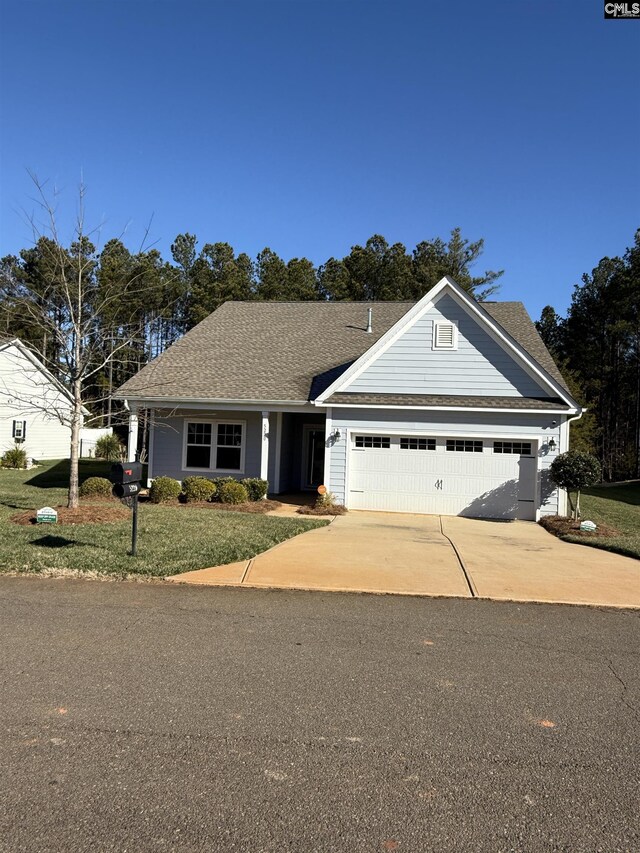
(476, 477)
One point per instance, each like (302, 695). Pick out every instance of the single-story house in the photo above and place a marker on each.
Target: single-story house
(35, 408)
(446, 405)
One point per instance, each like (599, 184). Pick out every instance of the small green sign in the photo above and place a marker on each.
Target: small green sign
(46, 515)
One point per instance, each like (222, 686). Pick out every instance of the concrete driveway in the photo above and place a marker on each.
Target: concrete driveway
(438, 556)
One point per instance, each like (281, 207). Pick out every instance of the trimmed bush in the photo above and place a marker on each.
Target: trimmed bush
(233, 492)
(575, 471)
(164, 490)
(110, 448)
(15, 457)
(198, 489)
(219, 483)
(95, 487)
(256, 488)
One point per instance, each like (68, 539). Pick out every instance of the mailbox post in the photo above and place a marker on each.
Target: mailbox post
(126, 478)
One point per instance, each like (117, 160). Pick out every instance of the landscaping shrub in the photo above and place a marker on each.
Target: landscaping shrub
(219, 483)
(256, 488)
(575, 471)
(110, 448)
(233, 492)
(95, 487)
(325, 505)
(164, 490)
(15, 457)
(198, 489)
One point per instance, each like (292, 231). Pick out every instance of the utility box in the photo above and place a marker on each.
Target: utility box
(126, 472)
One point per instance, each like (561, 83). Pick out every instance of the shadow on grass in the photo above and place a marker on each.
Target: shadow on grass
(628, 493)
(56, 476)
(53, 542)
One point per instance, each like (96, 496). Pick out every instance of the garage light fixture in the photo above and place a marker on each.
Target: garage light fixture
(551, 444)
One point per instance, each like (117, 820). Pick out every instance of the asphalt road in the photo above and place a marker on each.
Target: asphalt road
(149, 718)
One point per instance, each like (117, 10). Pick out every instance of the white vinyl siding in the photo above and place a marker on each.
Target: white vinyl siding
(31, 402)
(478, 366)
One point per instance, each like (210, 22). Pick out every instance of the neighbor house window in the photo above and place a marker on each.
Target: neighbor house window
(19, 431)
(445, 336)
(522, 448)
(415, 443)
(380, 442)
(458, 445)
(214, 446)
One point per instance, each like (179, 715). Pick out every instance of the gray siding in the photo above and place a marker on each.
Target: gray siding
(469, 424)
(168, 442)
(479, 366)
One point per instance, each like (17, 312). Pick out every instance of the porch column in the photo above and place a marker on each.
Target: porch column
(264, 447)
(132, 443)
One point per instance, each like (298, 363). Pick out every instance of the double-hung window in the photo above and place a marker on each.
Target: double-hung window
(214, 445)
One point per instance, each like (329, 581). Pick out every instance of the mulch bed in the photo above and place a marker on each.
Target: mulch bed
(338, 509)
(83, 515)
(255, 507)
(561, 526)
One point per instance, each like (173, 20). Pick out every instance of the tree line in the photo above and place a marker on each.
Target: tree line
(136, 303)
(597, 346)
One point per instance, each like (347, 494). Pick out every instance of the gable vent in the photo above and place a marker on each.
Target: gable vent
(444, 336)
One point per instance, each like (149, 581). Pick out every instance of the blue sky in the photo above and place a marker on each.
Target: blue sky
(308, 126)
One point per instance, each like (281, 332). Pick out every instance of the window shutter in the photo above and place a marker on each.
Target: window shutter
(24, 430)
(13, 432)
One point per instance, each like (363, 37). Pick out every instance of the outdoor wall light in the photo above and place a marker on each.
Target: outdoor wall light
(336, 435)
(552, 444)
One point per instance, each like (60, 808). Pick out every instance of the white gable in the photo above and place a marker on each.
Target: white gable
(28, 395)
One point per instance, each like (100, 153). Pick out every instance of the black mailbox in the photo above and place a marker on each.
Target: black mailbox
(125, 490)
(126, 472)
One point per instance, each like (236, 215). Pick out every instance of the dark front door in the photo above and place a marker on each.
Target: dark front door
(313, 457)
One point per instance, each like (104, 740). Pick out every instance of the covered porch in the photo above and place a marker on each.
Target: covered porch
(286, 448)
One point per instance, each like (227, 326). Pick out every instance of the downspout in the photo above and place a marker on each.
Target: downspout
(568, 422)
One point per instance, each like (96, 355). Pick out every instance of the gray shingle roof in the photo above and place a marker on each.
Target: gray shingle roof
(527, 403)
(289, 351)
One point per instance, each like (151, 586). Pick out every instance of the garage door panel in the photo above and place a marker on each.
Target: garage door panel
(486, 484)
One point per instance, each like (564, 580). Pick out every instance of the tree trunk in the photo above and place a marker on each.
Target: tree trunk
(76, 423)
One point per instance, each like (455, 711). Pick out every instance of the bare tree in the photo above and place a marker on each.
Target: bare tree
(61, 306)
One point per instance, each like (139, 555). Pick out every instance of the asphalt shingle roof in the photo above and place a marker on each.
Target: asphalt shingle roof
(448, 400)
(289, 351)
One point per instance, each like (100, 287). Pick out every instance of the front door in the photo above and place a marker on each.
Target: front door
(312, 457)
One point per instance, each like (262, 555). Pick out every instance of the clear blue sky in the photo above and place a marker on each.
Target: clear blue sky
(308, 126)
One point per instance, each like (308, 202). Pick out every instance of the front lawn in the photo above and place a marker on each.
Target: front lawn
(171, 539)
(618, 507)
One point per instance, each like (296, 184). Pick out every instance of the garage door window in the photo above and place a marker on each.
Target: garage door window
(415, 443)
(380, 442)
(459, 445)
(522, 448)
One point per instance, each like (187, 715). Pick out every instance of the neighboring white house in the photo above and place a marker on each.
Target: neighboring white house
(35, 407)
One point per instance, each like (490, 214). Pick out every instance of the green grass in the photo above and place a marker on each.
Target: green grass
(171, 539)
(619, 507)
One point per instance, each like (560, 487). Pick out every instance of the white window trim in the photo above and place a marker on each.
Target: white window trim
(454, 342)
(214, 434)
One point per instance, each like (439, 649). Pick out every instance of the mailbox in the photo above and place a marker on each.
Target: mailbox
(125, 490)
(126, 472)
